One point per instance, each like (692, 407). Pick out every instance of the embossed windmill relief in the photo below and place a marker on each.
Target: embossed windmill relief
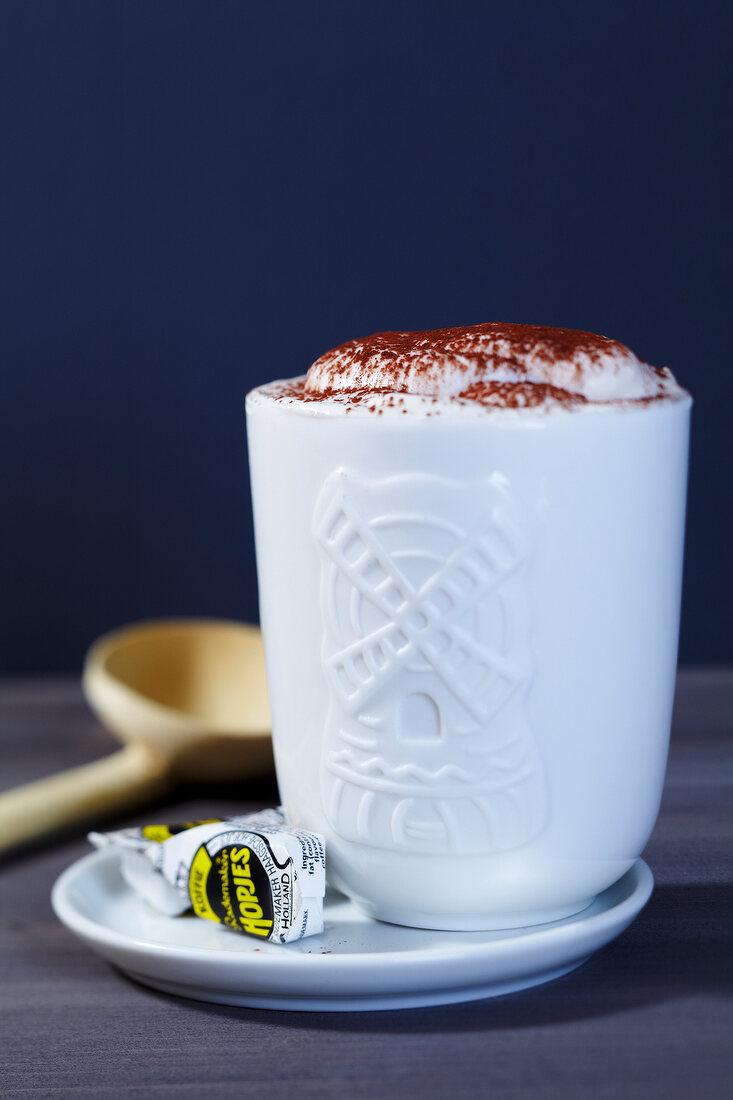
(423, 577)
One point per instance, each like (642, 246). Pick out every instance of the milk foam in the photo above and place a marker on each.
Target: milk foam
(445, 363)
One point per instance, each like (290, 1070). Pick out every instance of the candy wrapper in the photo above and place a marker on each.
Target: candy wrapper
(255, 874)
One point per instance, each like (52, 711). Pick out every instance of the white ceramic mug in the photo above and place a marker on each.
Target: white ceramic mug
(470, 624)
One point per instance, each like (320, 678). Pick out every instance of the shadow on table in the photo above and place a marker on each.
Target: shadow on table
(680, 945)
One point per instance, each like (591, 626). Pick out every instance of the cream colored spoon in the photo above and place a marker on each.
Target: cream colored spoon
(189, 700)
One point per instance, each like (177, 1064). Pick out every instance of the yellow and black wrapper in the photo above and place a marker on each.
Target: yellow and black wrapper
(254, 874)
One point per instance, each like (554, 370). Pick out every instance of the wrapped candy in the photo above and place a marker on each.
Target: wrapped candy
(254, 874)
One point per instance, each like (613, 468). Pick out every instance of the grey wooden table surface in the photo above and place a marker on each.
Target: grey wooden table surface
(650, 1015)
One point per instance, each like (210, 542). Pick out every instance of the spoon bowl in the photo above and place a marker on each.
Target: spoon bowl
(188, 699)
(193, 691)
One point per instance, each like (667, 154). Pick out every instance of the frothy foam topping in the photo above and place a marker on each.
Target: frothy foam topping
(495, 364)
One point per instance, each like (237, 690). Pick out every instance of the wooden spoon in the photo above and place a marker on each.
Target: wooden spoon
(188, 698)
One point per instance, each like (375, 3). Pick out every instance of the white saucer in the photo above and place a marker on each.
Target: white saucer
(356, 964)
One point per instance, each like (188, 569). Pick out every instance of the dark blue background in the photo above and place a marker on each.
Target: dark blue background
(198, 197)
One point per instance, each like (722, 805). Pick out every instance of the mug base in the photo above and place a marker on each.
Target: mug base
(443, 922)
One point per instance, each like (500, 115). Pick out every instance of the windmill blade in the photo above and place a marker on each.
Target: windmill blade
(498, 671)
(484, 559)
(478, 557)
(373, 554)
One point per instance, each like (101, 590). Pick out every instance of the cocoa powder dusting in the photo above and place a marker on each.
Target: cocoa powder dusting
(552, 344)
(464, 347)
(504, 395)
(295, 390)
(520, 395)
(390, 364)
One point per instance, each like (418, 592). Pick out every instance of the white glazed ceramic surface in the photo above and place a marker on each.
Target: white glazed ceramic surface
(357, 963)
(470, 627)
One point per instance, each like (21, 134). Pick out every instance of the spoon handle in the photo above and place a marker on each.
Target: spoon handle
(112, 784)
